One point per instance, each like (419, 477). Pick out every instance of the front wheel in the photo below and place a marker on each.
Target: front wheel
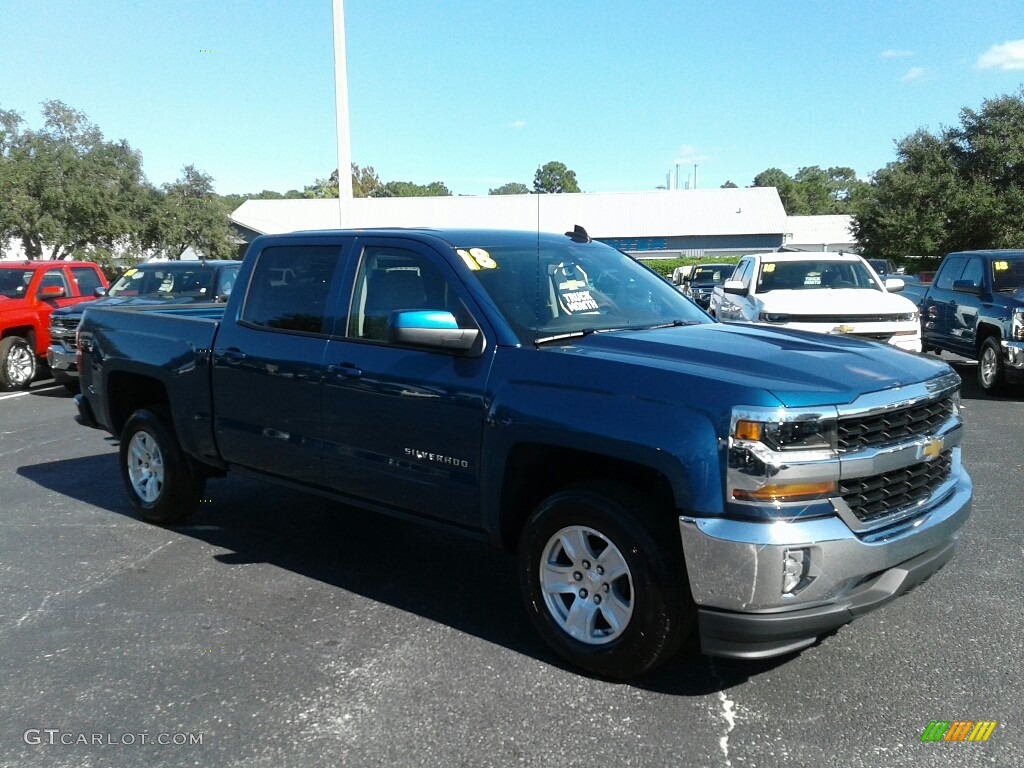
(17, 363)
(160, 482)
(991, 376)
(602, 587)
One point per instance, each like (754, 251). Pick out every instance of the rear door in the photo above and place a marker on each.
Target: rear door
(268, 361)
(403, 425)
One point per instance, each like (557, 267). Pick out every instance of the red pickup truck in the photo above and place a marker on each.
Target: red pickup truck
(29, 292)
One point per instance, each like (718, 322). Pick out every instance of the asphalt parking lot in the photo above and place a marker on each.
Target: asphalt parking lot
(276, 629)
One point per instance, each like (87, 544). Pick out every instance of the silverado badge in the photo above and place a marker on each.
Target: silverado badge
(843, 329)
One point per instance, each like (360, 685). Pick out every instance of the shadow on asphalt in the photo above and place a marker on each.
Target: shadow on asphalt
(436, 574)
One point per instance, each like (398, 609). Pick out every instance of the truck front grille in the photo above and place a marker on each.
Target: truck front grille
(871, 498)
(65, 323)
(879, 430)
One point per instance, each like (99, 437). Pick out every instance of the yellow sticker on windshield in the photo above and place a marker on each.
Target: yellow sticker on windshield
(130, 272)
(768, 268)
(1000, 266)
(477, 258)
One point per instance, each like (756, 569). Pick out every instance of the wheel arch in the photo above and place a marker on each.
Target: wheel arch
(128, 392)
(535, 471)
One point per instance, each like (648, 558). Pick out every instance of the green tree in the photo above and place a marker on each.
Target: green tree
(186, 213)
(365, 182)
(65, 187)
(960, 188)
(729, 185)
(511, 188)
(323, 187)
(789, 192)
(554, 177)
(411, 189)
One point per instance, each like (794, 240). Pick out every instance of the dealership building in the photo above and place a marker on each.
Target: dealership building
(703, 223)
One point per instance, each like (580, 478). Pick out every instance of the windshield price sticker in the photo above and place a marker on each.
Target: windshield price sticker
(1000, 266)
(130, 272)
(768, 268)
(477, 258)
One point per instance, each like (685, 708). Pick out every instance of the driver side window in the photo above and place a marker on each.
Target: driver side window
(395, 279)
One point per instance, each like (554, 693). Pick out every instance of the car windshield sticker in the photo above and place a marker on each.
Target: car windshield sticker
(1000, 266)
(769, 268)
(130, 272)
(572, 287)
(477, 258)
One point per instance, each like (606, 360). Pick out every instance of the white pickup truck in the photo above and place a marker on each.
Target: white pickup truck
(822, 292)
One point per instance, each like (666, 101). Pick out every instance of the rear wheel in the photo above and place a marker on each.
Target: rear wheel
(602, 587)
(17, 363)
(991, 376)
(158, 477)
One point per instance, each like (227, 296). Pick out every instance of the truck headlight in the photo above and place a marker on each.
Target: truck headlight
(783, 455)
(773, 317)
(1017, 325)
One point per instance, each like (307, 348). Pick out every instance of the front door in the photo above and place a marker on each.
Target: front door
(403, 425)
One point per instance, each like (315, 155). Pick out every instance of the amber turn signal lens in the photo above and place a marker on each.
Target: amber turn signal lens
(790, 492)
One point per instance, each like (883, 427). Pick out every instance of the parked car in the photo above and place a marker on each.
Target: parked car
(703, 279)
(153, 282)
(657, 473)
(680, 274)
(975, 308)
(29, 292)
(821, 292)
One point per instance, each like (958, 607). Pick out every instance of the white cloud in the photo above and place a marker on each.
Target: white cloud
(517, 125)
(1008, 56)
(895, 53)
(914, 74)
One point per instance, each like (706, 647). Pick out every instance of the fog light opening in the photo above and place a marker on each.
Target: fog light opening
(796, 568)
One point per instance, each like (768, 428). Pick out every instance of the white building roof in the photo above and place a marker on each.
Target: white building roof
(675, 213)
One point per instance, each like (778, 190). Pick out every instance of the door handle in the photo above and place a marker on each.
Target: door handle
(233, 355)
(348, 370)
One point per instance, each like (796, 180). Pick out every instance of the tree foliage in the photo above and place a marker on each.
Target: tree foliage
(511, 188)
(554, 177)
(65, 187)
(411, 189)
(729, 185)
(958, 189)
(814, 190)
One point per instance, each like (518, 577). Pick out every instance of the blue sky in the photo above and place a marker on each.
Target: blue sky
(478, 93)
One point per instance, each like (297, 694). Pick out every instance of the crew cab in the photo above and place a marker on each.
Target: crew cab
(152, 282)
(656, 472)
(975, 308)
(29, 292)
(822, 292)
(701, 282)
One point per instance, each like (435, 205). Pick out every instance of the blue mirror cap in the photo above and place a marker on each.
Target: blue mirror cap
(436, 319)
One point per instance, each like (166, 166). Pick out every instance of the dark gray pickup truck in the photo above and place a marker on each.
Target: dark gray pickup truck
(657, 473)
(975, 308)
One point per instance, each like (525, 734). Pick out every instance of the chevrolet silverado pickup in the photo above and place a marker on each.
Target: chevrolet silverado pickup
(824, 292)
(29, 292)
(656, 472)
(152, 282)
(975, 307)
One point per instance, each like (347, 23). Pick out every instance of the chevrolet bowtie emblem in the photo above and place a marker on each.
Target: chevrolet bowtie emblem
(931, 449)
(843, 329)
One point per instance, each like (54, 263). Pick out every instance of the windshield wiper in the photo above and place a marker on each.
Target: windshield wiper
(561, 336)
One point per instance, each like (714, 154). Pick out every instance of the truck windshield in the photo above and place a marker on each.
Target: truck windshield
(575, 288)
(810, 275)
(1008, 275)
(14, 282)
(161, 280)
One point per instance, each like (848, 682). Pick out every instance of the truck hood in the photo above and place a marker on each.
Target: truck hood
(834, 302)
(798, 368)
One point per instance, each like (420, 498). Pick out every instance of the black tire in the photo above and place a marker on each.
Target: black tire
(17, 363)
(991, 375)
(610, 524)
(160, 481)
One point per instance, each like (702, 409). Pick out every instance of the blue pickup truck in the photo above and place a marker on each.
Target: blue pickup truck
(975, 307)
(657, 473)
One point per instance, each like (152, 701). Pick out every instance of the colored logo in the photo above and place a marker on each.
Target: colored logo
(931, 449)
(843, 329)
(959, 730)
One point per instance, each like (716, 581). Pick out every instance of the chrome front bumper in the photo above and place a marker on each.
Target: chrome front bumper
(61, 359)
(736, 572)
(1013, 354)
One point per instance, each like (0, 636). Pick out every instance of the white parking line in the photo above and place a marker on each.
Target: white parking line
(30, 392)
